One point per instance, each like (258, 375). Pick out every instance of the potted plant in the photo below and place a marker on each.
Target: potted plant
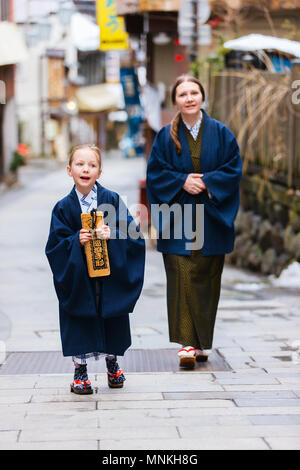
(20, 156)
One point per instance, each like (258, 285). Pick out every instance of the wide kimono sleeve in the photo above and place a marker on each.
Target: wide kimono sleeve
(223, 182)
(67, 262)
(126, 251)
(164, 182)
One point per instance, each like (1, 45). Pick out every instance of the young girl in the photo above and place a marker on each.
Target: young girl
(94, 312)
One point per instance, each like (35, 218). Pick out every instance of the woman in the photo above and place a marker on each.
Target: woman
(194, 163)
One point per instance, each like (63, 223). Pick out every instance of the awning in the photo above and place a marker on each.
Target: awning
(12, 45)
(256, 42)
(100, 97)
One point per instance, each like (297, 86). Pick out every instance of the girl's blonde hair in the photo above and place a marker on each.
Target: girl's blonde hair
(92, 147)
(176, 119)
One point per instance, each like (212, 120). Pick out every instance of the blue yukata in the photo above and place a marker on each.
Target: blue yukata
(94, 312)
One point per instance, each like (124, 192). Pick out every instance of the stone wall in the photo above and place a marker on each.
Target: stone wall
(267, 227)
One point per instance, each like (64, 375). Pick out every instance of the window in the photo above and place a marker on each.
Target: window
(4, 10)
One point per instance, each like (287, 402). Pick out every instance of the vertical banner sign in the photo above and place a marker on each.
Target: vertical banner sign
(135, 139)
(112, 27)
(112, 67)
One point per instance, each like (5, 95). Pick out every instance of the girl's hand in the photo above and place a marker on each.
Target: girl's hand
(194, 184)
(84, 236)
(103, 232)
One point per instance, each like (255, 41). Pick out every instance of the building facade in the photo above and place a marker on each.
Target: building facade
(9, 57)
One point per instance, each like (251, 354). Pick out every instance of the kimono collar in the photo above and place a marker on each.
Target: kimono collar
(88, 202)
(75, 208)
(194, 130)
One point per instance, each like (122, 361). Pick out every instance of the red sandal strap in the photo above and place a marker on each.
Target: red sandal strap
(115, 376)
(87, 382)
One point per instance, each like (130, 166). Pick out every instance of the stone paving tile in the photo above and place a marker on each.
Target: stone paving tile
(289, 372)
(53, 381)
(139, 432)
(237, 364)
(11, 422)
(258, 357)
(63, 408)
(164, 382)
(44, 395)
(66, 397)
(201, 443)
(228, 420)
(245, 380)
(52, 391)
(290, 380)
(189, 413)
(165, 404)
(242, 431)
(254, 371)
(230, 395)
(259, 387)
(15, 396)
(8, 436)
(136, 380)
(284, 443)
(130, 396)
(77, 420)
(12, 382)
(274, 420)
(262, 402)
(76, 434)
(273, 366)
(52, 445)
(163, 421)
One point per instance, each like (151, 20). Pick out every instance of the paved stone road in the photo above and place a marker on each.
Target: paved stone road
(255, 405)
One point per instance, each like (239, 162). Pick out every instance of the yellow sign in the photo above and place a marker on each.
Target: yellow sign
(112, 27)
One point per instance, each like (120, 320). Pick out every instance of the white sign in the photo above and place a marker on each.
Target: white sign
(186, 13)
(204, 35)
(186, 22)
(112, 66)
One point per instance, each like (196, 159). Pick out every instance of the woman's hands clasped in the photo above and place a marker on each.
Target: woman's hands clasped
(102, 232)
(194, 183)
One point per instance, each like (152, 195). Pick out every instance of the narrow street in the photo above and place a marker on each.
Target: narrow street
(246, 397)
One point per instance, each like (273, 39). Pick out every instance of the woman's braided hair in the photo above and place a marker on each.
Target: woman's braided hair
(176, 119)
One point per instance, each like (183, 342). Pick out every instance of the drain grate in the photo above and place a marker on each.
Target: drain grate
(135, 360)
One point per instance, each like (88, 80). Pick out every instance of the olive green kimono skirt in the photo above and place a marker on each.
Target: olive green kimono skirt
(193, 291)
(193, 286)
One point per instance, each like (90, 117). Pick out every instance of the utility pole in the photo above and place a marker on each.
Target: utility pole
(193, 32)
(194, 46)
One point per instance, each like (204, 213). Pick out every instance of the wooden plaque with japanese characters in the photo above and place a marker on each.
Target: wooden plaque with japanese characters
(96, 249)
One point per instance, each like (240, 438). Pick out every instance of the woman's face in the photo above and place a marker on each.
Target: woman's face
(188, 99)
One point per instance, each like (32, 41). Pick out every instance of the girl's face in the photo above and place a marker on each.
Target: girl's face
(188, 99)
(84, 169)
